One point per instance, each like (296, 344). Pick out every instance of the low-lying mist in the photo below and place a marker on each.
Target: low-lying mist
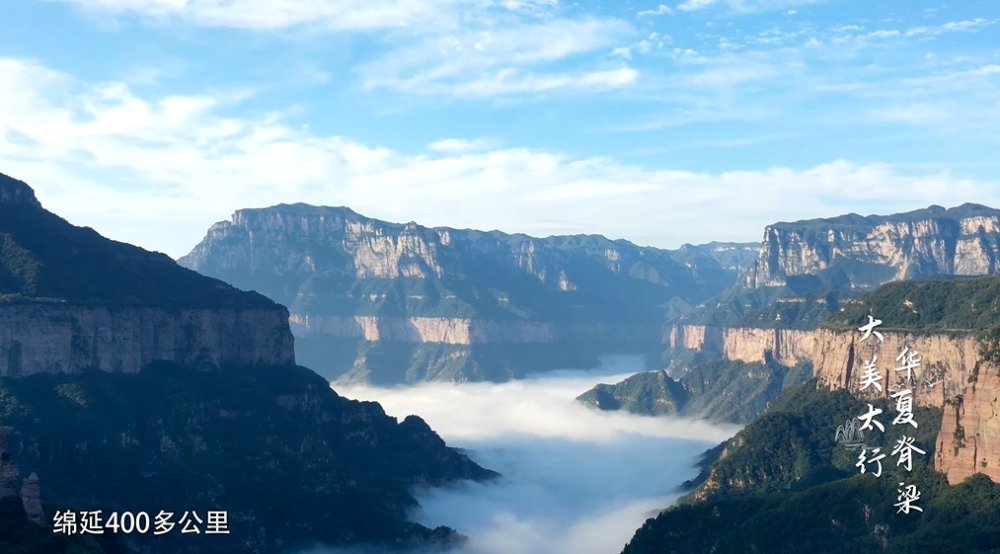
(575, 480)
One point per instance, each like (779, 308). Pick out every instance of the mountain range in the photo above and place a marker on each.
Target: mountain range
(129, 383)
(393, 303)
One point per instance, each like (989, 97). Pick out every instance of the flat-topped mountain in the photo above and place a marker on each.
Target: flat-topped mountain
(814, 265)
(856, 252)
(393, 303)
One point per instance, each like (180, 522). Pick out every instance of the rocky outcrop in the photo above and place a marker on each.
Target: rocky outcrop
(29, 490)
(855, 252)
(969, 440)
(52, 338)
(31, 498)
(16, 193)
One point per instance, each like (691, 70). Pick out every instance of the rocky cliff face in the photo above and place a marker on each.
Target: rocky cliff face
(855, 252)
(838, 358)
(951, 375)
(52, 338)
(71, 299)
(443, 330)
(969, 441)
(350, 281)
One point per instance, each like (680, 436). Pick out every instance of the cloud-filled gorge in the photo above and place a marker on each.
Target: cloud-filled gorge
(574, 479)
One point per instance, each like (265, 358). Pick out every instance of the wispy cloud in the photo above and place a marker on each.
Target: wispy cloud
(494, 61)
(453, 145)
(951, 27)
(694, 5)
(186, 166)
(746, 5)
(340, 15)
(660, 10)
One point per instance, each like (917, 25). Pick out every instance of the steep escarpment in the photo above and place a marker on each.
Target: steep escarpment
(71, 299)
(855, 252)
(969, 441)
(477, 302)
(50, 337)
(838, 357)
(950, 326)
(940, 321)
(805, 270)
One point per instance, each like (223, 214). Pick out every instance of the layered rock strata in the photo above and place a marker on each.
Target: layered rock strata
(950, 375)
(855, 252)
(969, 441)
(52, 338)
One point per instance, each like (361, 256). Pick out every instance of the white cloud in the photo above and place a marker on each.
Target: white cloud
(332, 15)
(453, 146)
(662, 9)
(881, 34)
(950, 27)
(623, 51)
(542, 406)
(575, 480)
(485, 62)
(693, 5)
(131, 166)
(512, 81)
(746, 5)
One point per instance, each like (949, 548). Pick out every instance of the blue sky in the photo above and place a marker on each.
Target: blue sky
(659, 123)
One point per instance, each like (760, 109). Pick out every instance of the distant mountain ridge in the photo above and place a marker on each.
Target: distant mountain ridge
(860, 253)
(820, 263)
(390, 303)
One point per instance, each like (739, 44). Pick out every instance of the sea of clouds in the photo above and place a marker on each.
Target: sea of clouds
(575, 479)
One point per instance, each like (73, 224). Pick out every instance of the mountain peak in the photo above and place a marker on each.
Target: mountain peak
(15, 192)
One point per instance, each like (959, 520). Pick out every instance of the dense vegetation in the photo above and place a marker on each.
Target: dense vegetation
(783, 485)
(934, 305)
(18, 535)
(290, 460)
(791, 446)
(45, 258)
(719, 390)
(805, 312)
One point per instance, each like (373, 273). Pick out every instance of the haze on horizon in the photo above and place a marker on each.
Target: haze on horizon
(663, 124)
